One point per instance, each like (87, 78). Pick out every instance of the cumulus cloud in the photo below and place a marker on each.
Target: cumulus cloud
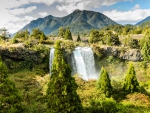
(132, 16)
(22, 10)
(43, 14)
(71, 5)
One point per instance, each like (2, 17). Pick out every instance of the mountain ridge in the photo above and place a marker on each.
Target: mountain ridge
(144, 20)
(85, 19)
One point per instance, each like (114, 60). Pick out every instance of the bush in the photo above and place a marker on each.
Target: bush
(107, 105)
(97, 51)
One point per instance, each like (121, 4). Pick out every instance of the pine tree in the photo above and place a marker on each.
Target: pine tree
(146, 52)
(61, 93)
(104, 83)
(61, 32)
(131, 84)
(94, 36)
(10, 99)
(78, 38)
(68, 35)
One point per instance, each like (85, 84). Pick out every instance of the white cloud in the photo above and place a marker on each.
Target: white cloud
(137, 6)
(22, 10)
(71, 5)
(43, 14)
(132, 16)
(8, 4)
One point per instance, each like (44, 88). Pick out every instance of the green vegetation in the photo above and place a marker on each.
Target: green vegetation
(78, 38)
(131, 84)
(104, 83)
(61, 92)
(68, 35)
(94, 36)
(61, 32)
(10, 98)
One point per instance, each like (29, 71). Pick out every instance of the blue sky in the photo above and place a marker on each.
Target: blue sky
(15, 14)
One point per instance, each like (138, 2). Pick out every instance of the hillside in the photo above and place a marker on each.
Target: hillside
(145, 24)
(144, 20)
(77, 21)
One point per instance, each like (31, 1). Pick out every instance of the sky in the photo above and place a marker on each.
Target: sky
(15, 14)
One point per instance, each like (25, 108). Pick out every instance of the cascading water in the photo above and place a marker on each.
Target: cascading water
(88, 57)
(51, 58)
(81, 68)
(82, 62)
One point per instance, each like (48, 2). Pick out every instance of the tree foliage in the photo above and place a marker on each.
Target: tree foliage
(10, 99)
(68, 35)
(104, 83)
(78, 38)
(130, 42)
(94, 36)
(111, 39)
(146, 52)
(38, 34)
(61, 93)
(23, 34)
(131, 84)
(61, 32)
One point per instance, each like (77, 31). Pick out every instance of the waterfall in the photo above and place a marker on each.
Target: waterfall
(88, 57)
(51, 58)
(81, 68)
(82, 62)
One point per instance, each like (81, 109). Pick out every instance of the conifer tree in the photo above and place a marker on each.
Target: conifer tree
(131, 84)
(78, 38)
(68, 35)
(61, 32)
(94, 36)
(104, 83)
(146, 52)
(61, 93)
(10, 99)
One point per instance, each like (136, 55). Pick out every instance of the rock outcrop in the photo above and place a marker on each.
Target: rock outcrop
(21, 54)
(122, 53)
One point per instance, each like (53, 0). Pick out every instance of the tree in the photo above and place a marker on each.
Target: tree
(61, 93)
(78, 38)
(38, 34)
(68, 35)
(26, 34)
(131, 84)
(111, 39)
(94, 36)
(146, 52)
(61, 32)
(145, 38)
(130, 42)
(10, 99)
(104, 83)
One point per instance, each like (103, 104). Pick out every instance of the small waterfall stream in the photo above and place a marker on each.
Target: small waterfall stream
(82, 62)
(51, 57)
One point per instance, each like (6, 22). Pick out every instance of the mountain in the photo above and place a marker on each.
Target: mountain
(144, 20)
(77, 21)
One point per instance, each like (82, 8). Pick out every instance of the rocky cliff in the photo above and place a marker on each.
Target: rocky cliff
(122, 53)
